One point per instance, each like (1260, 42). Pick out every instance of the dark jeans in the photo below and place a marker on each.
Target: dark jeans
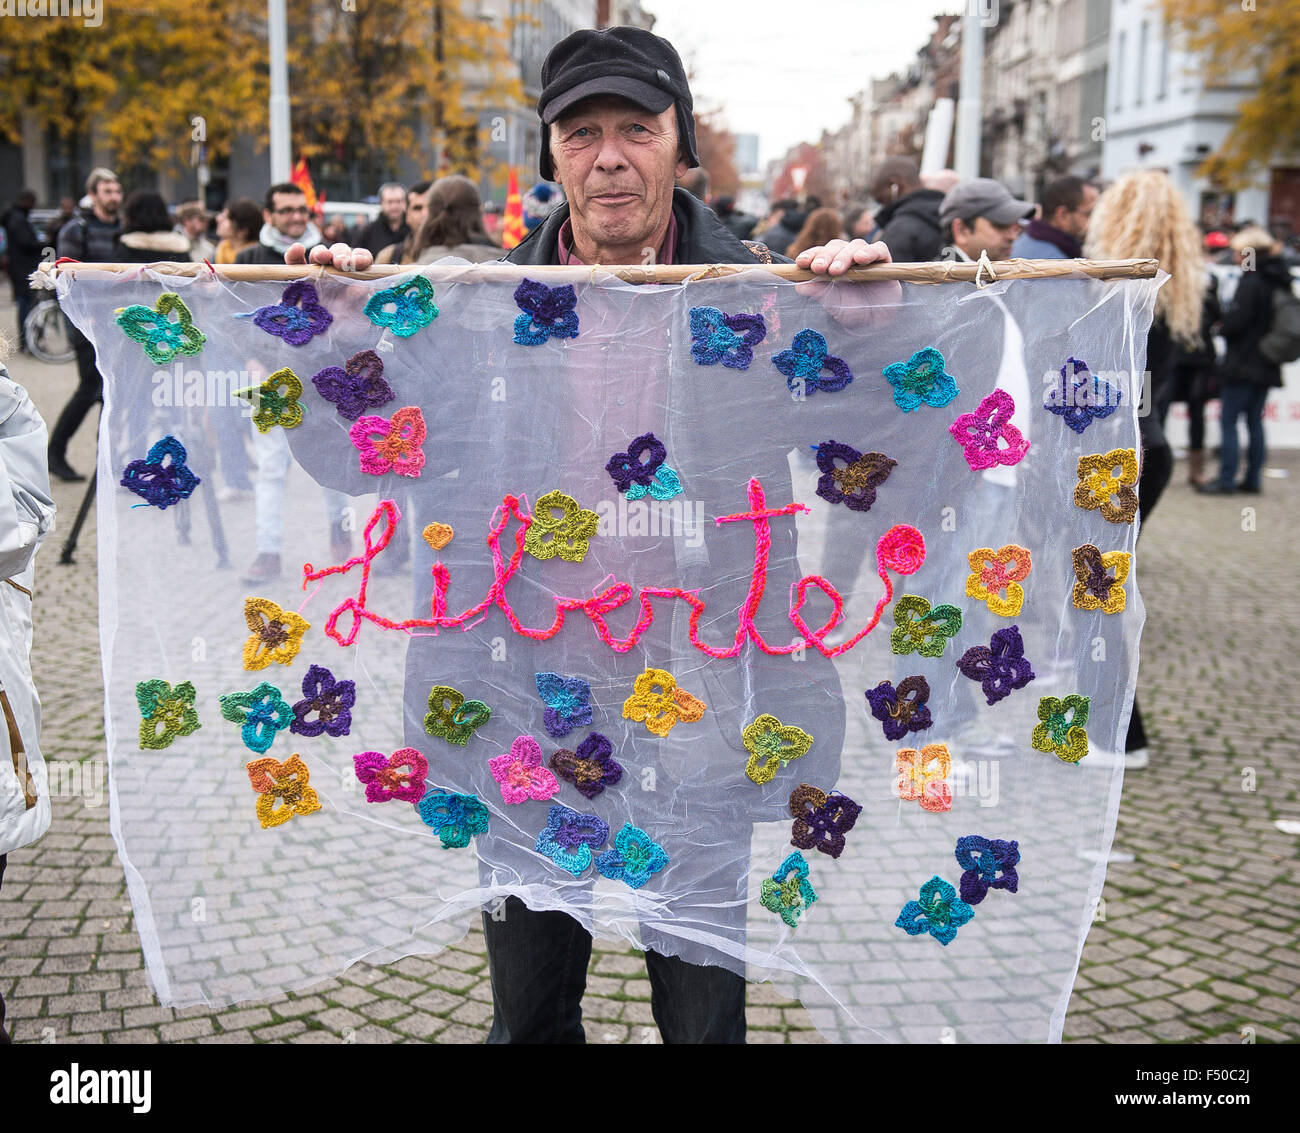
(1242, 400)
(539, 963)
(26, 301)
(89, 391)
(1157, 467)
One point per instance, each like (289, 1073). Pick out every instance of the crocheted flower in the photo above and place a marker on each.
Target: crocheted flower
(331, 700)
(1079, 398)
(548, 312)
(628, 468)
(803, 363)
(855, 484)
(903, 709)
(271, 406)
(995, 582)
(567, 535)
(635, 858)
(521, 774)
(920, 629)
(729, 339)
(788, 892)
(772, 745)
(987, 437)
(391, 445)
(282, 789)
(922, 776)
(277, 634)
(567, 700)
(262, 713)
(664, 485)
(821, 820)
(454, 818)
(940, 912)
(568, 837)
(165, 712)
(999, 666)
(1060, 729)
(1096, 589)
(157, 483)
(591, 768)
(983, 859)
(404, 309)
(397, 776)
(152, 327)
(453, 717)
(657, 702)
(297, 317)
(355, 386)
(1106, 475)
(923, 378)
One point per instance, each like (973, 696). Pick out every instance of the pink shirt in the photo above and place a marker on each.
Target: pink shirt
(564, 243)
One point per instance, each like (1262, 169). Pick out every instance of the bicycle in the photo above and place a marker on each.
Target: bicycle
(46, 332)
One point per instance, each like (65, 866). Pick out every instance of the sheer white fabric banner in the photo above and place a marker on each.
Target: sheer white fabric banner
(788, 630)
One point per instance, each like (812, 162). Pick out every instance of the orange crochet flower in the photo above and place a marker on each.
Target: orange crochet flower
(1106, 475)
(283, 782)
(992, 574)
(922, 775)
(277, 633)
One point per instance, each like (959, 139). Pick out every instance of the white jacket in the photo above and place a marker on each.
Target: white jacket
(26, 515)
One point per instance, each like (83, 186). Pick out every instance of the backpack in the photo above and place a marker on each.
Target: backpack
(1282, 342)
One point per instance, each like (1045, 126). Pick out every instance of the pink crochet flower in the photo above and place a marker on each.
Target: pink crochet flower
(391, 445)
(521, 774)
(979, 433)
(399, 776)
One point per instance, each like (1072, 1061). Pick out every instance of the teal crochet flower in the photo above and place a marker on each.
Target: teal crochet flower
(404, 309)
(454, 818)
(940, 912)
(635, 857)
(262, 712)
(922, 378)
(788, 892)
(161, 338)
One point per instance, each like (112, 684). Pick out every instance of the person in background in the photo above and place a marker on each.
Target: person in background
(1057, 234)
(1143, 216)
(696, 182)
(539, 202)
(89, 237)
(1216, 247)
(860, 222)
(192, 219)
(453, 225)
(822, 226)
(784, 223)
(1246, 375)
(25, 249)
(391, 225)
(981, 216)
(909, 212)
(286, 220)
(67, 210)
(941, 180)
(332, 230)
(237, 227)
(493, 221)
(417, 205)
(740, 223)
(147, 234)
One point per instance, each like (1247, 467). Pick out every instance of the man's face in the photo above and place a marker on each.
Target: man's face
(618, 164)
(1075, 221)
(417, 204)
(288, 214)
(392, 203)
(195, 226)
(108, 197)
(983, 235)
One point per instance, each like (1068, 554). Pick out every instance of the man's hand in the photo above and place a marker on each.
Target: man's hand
(338, 256)
(838, 256)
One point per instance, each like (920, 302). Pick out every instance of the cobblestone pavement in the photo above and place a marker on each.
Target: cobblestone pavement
(1195, 939)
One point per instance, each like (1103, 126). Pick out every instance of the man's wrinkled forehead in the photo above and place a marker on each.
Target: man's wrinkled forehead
(600, 103)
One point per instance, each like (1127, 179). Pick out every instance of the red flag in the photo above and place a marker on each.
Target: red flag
(302, 178)
(512, 231)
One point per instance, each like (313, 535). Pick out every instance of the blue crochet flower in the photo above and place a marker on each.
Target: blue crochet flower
(664, 485)
(788, 893)
(803, 363)
(567, 700)
(157, 483)
(983, 859)
(729, 339)
(297, 317)
(634, 858)
(262, 712)
(940, 912)
(1080, 397)
(548, 312)
(454, 818)
(922, 378)
(404, 309)
(567, 838)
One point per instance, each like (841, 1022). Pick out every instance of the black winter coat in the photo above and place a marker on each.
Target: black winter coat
(24, 245)
(1249, 317)
(910, 227)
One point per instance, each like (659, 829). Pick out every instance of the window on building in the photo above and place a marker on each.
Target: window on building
(1162, 75)
(1140, 69)
(1119, 70)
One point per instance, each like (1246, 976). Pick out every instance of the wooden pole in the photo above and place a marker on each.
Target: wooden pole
(498, 271)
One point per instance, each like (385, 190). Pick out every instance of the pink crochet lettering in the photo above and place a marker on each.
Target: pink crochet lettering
(900, 550)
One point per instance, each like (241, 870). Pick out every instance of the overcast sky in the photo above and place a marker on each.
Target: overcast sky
(783, 69)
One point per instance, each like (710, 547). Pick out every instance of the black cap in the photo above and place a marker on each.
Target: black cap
(629, 63)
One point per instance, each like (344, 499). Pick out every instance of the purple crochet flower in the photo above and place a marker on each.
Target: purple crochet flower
(331, 700)
(297, 317)
(903, 709)
(729, 339)
(983, 859)
(568, 837)
(548, 312)
(1080, 397)
(627, 467)
(999, 666)
(568, 703)
(821, 820)
(356, 386)
(803, 363)
(591, 768)
(854, 484)
(157, 483)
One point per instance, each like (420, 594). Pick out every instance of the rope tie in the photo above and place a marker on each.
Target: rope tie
(981, 265)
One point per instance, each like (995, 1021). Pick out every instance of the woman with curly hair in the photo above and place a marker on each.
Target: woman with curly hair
(821, 227)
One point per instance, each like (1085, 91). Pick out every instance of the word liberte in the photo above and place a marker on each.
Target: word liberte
(901, 549)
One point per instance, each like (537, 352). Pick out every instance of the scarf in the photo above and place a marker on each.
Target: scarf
(1069, 246)
(278, 242)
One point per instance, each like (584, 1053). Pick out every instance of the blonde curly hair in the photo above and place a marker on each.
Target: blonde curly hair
(1142, 216)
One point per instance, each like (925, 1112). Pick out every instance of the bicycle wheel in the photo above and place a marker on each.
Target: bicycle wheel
(46, 331)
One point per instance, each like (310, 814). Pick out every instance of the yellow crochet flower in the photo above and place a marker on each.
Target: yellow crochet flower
(991, 574)
(1098, 483)
(1096, 588)
(285, 783)
(657, 702)
(277, 633)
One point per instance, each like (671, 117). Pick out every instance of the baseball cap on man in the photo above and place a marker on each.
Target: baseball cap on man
(982, 196)
(626, 62)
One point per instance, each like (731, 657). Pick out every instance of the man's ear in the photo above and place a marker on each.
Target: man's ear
(682, 168)
(266, 216)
